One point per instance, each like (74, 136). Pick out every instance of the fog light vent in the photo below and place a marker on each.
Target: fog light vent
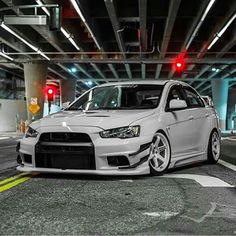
(117, 161)
(27, 158)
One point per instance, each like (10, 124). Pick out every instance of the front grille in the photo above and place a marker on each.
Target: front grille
(65, 137)
(65, 151)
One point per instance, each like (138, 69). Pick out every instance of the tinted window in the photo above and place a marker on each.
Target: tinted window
(130, 96)
(193, 99)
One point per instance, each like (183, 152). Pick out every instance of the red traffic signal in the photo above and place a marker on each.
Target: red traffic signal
(50, 94)
(179, 64)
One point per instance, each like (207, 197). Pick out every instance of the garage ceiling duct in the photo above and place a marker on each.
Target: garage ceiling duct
(25, 20)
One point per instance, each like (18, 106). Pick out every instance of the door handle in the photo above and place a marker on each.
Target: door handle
(190, 117)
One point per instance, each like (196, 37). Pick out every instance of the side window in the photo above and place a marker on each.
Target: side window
(175, 93)
(193, 99)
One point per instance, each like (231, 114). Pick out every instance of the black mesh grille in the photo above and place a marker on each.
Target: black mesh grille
(65, 151)
(65, 161)
(65, 137)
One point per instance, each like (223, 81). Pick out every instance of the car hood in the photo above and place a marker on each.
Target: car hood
(103, 119)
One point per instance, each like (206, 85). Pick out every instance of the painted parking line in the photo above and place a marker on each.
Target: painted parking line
(3, 138)
(10, 179)
(203, 180)
(227, 164)
(228, 138)
(15, 180)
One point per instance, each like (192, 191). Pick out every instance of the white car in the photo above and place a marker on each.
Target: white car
(126, 128)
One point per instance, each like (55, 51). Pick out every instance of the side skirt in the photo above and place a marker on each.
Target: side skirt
(187, 159)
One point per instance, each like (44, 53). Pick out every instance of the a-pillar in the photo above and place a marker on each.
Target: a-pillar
(68, 90)
(35, 79)
(220, 98)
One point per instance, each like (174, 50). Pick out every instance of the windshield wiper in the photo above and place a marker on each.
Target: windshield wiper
(111, 108)
(74, 109)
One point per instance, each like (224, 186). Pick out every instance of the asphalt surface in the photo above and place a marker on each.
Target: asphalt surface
(89, 205)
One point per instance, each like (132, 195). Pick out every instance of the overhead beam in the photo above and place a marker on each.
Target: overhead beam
(113, 71)
(83, 70)
(172, 13)
(57, 73)
(192, 30)
(95, 67)
(44, 31)
(228, 46)
(111, 9)
(232, 84)
(128, 70)
(108, 79)
(228, 74)
(206, 88)
(217, 28)
(211, 76)
(207, 61)
(143, 69)
(199, 85)
(143, 24)
(66, 69)
(12, 72)
(158, 71)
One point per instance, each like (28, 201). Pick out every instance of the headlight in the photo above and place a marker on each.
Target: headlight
(122, 132)
(31, 133)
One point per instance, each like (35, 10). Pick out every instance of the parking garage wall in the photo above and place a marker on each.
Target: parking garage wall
(11, 113)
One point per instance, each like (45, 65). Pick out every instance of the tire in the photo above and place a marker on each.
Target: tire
(213, 151)
(160, 154)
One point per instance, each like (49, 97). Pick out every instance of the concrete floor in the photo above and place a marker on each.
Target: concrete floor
(72, 204)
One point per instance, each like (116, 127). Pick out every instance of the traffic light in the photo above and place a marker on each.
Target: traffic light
(179, 64)
(50, 94)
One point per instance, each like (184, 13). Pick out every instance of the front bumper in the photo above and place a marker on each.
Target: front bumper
(131, 148)
(141, 170)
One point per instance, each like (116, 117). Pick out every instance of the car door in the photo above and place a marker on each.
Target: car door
(178, 123)
(200, 119)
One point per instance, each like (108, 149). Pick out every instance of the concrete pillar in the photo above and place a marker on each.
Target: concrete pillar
(35, 79)
(220, 98)
(68, 90)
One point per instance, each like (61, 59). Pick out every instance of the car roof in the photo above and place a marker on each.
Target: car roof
(151, 82)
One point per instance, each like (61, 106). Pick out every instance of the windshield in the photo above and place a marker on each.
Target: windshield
(119, 97)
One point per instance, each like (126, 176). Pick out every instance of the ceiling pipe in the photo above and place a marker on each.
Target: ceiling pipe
(137, 60)
(113, 53)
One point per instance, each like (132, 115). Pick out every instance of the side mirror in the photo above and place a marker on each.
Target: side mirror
(177, 104)
(65, 105)
(208, 101)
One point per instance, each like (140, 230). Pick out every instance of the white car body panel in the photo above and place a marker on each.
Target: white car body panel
(188, 131)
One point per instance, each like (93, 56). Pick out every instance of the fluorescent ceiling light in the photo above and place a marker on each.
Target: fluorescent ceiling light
(74, 43)
(210, 4)
(42, 54)
(74, 3)
(227, 25)
(6, 56)
(78, 10)
(215, 69)
(220, 33)
(66, 34)
(24, 41)
(213, 42)
(39, 2)
(207, 9)
(18, 36)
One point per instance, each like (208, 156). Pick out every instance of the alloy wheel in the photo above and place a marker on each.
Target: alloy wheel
(159, 153)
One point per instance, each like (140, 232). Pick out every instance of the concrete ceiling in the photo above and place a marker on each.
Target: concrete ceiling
(129, 39)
